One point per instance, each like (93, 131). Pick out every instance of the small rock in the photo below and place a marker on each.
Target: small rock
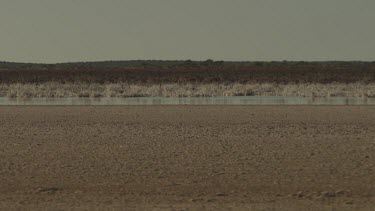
(221, 194)
(48, 190)
(196, 199)
(340, 192)
(299, 194)
(327, 194)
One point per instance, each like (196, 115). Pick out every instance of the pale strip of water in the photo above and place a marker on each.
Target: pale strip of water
(245, 100)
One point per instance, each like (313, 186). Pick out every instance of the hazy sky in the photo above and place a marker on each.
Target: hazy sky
(86, 30)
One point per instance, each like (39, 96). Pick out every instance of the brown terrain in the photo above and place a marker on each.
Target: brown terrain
(187, 158)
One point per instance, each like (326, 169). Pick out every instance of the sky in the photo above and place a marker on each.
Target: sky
(50, 31)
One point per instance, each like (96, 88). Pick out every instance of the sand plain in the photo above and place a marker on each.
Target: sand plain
(187, 157)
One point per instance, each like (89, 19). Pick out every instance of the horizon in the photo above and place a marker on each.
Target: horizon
(182, 60)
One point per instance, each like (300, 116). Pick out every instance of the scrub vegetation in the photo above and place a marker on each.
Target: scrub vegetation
(59, 90)
(187, 79)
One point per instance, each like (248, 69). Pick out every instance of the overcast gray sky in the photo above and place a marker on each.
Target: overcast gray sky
(87, 30)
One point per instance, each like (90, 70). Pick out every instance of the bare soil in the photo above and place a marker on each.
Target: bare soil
(187, 157)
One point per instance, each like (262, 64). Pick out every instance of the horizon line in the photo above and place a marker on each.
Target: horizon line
(183, 60)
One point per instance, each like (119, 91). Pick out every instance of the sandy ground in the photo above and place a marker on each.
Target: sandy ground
(187, 158)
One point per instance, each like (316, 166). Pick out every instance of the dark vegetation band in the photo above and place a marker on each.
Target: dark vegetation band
(159, 72)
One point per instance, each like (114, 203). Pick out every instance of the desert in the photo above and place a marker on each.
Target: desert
(187, 157)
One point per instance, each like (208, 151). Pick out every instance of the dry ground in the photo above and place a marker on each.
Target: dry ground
(187, 157)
